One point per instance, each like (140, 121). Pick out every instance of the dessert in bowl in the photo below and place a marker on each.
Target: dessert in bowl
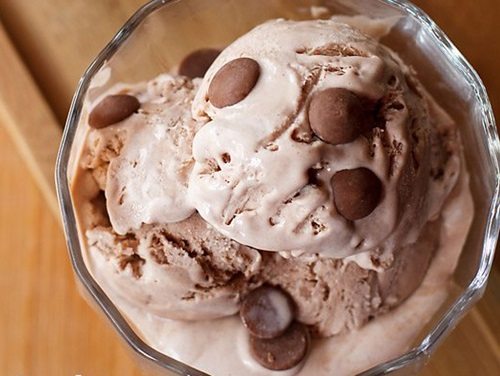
(297, 203)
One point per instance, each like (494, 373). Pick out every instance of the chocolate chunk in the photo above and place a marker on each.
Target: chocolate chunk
(337, 116)
(233, 82)
(197, 62)
(356, 193)
(283, 352)
(267, 312)
(113, 109)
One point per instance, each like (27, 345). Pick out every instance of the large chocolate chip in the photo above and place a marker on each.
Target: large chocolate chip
(197, 62)
(283, 352)
(267, 312)
(113, 109)
(337, 116)
(356, 193)
(233, 82)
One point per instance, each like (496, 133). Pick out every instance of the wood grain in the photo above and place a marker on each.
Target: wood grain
(472, 26)
(58, 39)
(25, 112)
(47, 329)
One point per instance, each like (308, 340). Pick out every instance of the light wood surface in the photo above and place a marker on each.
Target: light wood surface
(46, 327)
(58, 39)
(31, 122)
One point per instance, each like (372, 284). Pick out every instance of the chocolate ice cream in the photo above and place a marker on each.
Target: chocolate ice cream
(303, 182)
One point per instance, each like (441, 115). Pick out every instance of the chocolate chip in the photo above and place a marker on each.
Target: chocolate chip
(337, 116)
(356, 193)
(283, 352)
(233, 82)
(267, 312)
(197, 62)
(113, 109)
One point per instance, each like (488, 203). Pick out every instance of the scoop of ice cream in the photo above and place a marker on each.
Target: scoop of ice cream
(185, 270)
(143, 161)
(336, 296)
(188, 269)
(317, 141)
(147, 245)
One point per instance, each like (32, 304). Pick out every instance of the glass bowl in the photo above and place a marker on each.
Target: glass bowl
(164, 31)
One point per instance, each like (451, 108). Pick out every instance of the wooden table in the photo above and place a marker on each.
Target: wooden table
(46, 327)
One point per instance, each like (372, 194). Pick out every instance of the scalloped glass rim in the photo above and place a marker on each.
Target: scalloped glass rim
(449, 320)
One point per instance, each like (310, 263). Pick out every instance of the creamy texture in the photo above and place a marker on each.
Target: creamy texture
(185, 208)
(153, 268)
(187, 269)
(254, 158)
(182, 268)
(143, 186)
(201, 344)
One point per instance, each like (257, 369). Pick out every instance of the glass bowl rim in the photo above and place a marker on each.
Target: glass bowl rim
(449, 320)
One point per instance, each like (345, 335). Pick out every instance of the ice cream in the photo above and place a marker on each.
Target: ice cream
(301, 182)
(265, 188)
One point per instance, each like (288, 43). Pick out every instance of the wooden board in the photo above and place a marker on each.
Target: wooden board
(24, 111)
(47, 329)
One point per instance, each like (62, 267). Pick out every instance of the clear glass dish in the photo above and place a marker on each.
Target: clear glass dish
(164, 31)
